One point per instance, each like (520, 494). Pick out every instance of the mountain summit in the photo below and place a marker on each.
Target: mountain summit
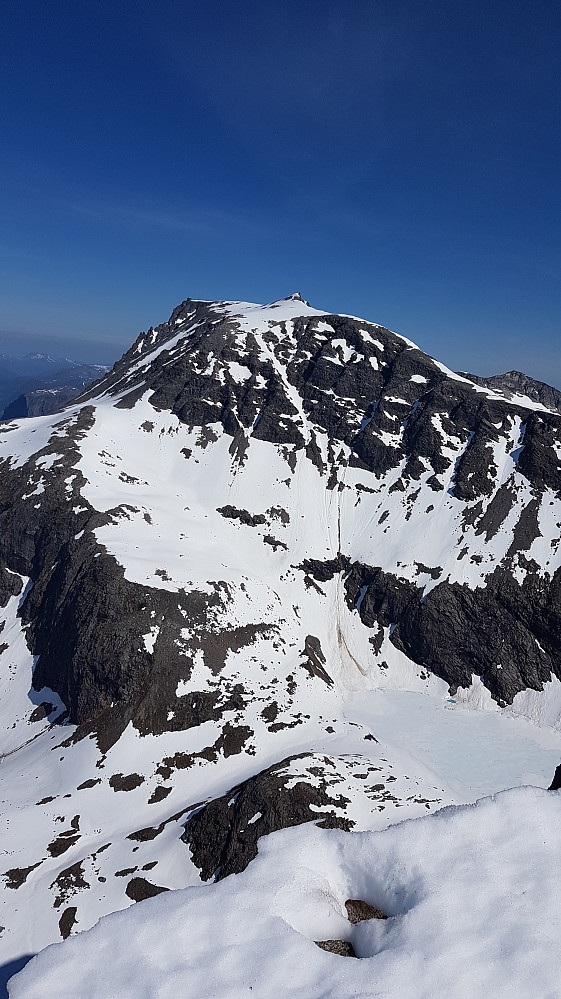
(212, 559)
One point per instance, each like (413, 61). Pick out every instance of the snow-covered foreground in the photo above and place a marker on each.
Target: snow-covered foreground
(429, 748)
(429, 752)
(471, 894)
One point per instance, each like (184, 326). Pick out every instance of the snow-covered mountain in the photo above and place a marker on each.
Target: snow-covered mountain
(255, 577)
(517, 383)
(38, 384)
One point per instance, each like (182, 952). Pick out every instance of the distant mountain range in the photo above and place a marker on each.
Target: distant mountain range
(516, 383)
(37, 384)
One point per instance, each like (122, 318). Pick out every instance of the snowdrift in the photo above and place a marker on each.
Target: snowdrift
(471, 893)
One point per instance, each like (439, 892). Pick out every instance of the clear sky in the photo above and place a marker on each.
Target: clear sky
(395, 159)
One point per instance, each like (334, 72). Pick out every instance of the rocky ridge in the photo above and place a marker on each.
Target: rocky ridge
(513, 383)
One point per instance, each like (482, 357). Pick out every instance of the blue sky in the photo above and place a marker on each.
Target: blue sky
(393, 159)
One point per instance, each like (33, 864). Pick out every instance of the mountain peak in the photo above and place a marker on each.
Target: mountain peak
(295, 297)
(517, 386)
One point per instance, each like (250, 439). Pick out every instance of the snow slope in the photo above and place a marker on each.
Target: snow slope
(470, 894)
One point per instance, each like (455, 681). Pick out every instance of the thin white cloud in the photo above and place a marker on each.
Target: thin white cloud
(203, 221)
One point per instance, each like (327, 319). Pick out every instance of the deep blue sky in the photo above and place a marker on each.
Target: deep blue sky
(396, 159)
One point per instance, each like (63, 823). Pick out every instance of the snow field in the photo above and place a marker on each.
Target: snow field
(471, 895)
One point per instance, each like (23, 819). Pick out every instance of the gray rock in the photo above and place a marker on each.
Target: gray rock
(358, 910)
(343, 948)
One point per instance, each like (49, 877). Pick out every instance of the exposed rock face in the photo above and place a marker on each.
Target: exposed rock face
(457, 631)
(223, 835)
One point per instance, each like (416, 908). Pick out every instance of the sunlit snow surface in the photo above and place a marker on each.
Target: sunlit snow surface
(471, 894)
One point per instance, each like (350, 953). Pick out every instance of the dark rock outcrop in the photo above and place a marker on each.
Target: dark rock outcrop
(139, 888)
(223, 834)
(456, 631)
(343, 948)
(358, 910)
(556, 782)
